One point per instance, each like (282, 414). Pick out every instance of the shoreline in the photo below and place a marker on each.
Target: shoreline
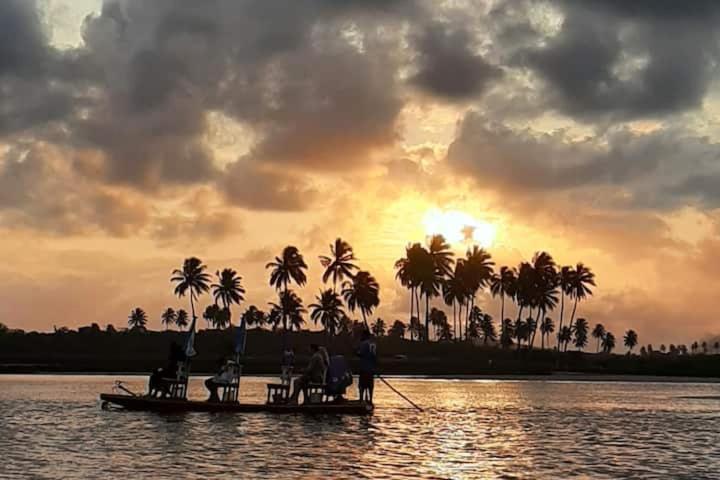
(551, 378)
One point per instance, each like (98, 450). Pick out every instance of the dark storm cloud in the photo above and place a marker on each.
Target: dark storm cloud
(37, 83)
(650, 170)
(448, 66)
(628, 59)
(287, 70)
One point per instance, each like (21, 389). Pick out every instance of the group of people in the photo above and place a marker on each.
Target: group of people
(334, 372)
(322, 369)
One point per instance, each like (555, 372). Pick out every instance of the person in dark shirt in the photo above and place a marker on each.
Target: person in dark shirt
(367, 351)
(157, 384)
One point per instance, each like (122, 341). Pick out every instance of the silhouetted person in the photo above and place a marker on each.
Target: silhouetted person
(224, 376)
(158, 379)
(313, 373)
(367, 351)
(286, 365)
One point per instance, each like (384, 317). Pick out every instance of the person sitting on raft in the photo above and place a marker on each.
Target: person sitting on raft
(313, 373)
(224, 376)
(161, 378)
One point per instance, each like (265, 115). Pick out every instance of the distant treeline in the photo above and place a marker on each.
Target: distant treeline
(91, 349)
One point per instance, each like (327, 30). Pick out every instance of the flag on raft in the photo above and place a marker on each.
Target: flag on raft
(190, 340)
(240, 338)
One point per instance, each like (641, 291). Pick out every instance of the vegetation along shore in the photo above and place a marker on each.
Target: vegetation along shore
(446, 332)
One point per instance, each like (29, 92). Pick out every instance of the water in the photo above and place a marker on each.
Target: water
(52, 427)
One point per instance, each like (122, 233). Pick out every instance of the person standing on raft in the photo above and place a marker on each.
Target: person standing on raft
(367, 351)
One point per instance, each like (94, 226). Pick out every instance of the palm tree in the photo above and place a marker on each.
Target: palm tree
(507, 333)
(446, 333)
(663, 348)
(378, 328)
(582, 280)
(274, 318)
(531, 324)
(254, 317)
(581, 333)
(565, 278)
(397, 330)
(503, 285)
(454, 290)
(328, 311)
(415, 328)
(547, 327)
(409, 272)
(211, 313)
(704, 347)
(564, 337)
(222, 319)
(438, 319)
(598, 333)
(433, 267)
(363, 293)
(168, 317)
(229, 289)
(137, 319)
(181, 319)
(487, 328)
(631, 339)
(694, 347)
(521, 332)
(290, 309)
(479, 273)
(191, 277)
(288, 267)
(339, 265)
(608, 342)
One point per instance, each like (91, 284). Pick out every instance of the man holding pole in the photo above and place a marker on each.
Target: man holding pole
(368, 363)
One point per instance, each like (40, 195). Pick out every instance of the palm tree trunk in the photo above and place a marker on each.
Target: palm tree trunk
(192, 304)
(454, 319)
(412, 305)
(502, 313)
(532, 337)
(572, 316)
(542, 340)
(427, 316)
(562, 309)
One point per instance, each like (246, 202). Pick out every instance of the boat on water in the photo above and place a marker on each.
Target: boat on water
(173, 405)
(169, 395)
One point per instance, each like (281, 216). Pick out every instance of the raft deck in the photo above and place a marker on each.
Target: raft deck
(129, 402)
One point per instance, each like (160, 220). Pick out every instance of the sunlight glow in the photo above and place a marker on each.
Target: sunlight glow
(459, 227)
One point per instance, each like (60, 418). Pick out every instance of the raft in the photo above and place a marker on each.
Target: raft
(164, 405)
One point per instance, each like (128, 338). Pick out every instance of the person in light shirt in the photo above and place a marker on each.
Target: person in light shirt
(225, 376)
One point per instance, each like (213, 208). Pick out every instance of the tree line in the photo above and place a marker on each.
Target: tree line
(430, 272)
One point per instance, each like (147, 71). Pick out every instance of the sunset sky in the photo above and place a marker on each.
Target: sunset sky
(135, 133)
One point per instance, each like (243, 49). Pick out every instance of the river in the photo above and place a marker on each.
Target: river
(51, 426)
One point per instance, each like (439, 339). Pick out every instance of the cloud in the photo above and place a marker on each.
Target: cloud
(622, 168)
(626, 59)
(448, 65)
(254, 186)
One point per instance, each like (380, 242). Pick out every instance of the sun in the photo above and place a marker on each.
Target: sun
(459, 227)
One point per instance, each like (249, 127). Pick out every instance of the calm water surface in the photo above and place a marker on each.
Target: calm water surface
(52, 427)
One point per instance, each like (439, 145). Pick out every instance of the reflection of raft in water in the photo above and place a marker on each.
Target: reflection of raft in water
(144, 403)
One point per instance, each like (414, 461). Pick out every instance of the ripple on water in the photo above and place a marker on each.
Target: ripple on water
(51, 427)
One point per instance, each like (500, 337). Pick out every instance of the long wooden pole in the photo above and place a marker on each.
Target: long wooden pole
(400, 394)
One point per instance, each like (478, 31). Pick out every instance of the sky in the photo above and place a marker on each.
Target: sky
(134, 134)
